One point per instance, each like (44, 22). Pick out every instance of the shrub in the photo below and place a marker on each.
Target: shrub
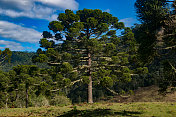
(40, 101)
(2, 105)
(60, 101)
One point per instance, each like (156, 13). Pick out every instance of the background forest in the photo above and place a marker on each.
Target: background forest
(83, 59)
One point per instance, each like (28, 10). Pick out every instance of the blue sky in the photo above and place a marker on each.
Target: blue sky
(23, 21)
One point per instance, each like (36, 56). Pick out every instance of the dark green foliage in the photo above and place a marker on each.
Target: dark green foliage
(152, 14)
(156, 36)
(25, 84)
(22, 58)
(169, 80)
(5, 55)
(151, 11)
(4, 88)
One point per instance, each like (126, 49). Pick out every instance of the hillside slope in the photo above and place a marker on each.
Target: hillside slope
(146, 94)
(21, 58)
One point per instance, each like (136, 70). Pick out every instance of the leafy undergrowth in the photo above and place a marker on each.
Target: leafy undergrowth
(138, 109)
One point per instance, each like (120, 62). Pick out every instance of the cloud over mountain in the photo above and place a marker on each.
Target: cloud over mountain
(10, 44)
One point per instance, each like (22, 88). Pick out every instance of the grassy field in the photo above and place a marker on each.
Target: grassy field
(139, 109)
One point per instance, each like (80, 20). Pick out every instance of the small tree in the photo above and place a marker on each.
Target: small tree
(4, 88)
(26, 76)
(5, 55)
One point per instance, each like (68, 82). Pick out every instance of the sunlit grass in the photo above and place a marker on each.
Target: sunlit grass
(140, 109)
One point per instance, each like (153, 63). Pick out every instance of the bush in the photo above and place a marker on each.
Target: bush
(2, 105)
(40, 101)
(2, 100)
(20, 101)
(60, 101)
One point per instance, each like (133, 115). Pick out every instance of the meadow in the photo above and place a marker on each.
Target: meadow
(136, 109)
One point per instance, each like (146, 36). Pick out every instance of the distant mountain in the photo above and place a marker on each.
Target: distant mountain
(21, 58)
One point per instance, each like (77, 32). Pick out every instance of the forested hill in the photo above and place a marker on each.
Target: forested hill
(21, 58)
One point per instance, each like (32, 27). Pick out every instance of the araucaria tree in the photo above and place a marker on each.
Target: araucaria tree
(87, 48)
(157, 37)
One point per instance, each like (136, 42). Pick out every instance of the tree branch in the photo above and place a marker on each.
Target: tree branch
(172, 67)
(112, 91)
(170, 47)
(72, 83)
(50, 63)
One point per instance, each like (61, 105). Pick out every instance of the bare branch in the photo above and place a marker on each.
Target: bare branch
(50, 63)
(170, 47)
(72, 83)
(172, 67)
(112, 91)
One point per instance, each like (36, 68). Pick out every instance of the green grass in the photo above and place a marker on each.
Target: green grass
(140, 109)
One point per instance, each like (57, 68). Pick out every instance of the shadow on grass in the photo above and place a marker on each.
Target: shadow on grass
(99, 113)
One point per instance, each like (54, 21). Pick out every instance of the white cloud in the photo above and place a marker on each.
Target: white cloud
(16, 4)
(11, 45)
(38, 11)
(53, 17)
(42, 9)
(128, 21)
(63, 4)
(18, 33)
(107, 10)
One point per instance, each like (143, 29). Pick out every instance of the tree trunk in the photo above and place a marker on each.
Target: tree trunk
(27, 97)
(6, 100)
(90, 97)
(159, 35)
(16, 97)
